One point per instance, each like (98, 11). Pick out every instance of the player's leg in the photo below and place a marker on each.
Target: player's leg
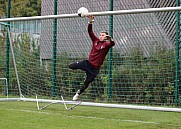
(78, 65)
(90, 78)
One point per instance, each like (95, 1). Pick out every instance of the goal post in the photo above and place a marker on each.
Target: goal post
(13, 58)
(143, 60)
(8, 36)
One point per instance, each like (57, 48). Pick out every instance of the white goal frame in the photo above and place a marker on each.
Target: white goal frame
(119, 12)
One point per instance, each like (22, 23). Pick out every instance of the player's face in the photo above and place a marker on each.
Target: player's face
(102, 36)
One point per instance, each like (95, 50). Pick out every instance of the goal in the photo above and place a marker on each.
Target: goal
(142, 68)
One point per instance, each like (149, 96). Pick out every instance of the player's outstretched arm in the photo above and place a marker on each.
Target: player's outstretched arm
(90, 31)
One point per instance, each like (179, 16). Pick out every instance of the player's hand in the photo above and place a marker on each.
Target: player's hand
(108, 37)
(91, 18)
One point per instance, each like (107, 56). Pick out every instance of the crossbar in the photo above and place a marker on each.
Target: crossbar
(118, 12)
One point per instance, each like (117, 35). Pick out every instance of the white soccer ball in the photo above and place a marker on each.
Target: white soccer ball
(82, 12)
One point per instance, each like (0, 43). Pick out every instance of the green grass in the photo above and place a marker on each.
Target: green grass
(24, 115)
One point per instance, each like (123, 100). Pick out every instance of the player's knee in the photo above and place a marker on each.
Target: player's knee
(73, 65)
(70, 66)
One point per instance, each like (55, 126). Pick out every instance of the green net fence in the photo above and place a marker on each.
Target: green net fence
(143, 61)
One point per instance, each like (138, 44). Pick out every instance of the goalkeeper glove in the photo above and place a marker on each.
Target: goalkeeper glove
(91, 18)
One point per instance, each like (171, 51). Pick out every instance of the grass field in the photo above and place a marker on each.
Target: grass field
(24, 115)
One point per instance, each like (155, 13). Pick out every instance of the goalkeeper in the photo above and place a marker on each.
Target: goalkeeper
(100, 48)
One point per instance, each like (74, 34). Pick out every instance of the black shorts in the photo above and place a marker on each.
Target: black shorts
(84, 65)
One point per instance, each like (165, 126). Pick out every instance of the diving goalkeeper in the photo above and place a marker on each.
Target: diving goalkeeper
(100, 48)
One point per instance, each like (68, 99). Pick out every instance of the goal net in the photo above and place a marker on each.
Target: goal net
(140, 69)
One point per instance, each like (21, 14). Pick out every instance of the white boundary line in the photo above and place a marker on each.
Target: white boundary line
(92, 117)
(118, 12)
(85, 117)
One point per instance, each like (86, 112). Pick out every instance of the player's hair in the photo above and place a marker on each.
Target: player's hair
(105, 32)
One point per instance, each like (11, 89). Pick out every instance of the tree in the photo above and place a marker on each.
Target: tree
(22, 8)
(26, 8)
(2, 8)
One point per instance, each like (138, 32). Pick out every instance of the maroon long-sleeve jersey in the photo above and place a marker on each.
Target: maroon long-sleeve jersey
(99, 49)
